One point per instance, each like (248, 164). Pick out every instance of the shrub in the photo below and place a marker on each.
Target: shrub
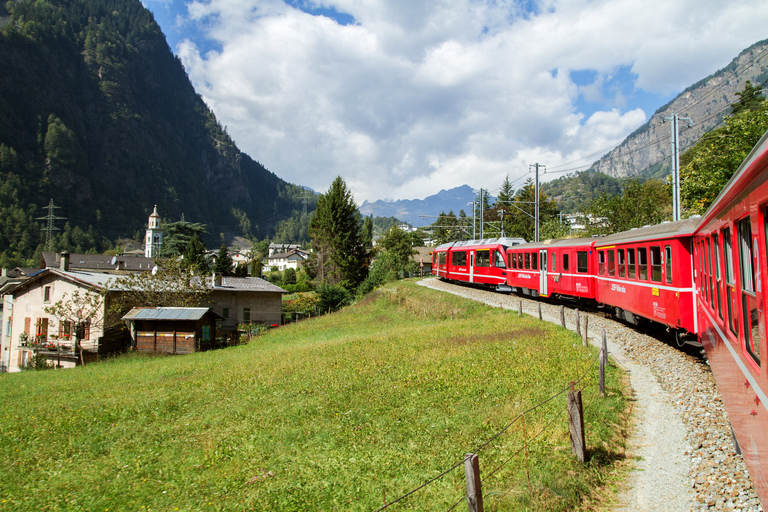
(333, 297)
(289, 276)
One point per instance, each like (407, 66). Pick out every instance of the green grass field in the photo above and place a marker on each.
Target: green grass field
(343, 412)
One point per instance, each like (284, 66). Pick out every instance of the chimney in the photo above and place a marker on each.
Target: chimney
(215, 280)
(64, 261)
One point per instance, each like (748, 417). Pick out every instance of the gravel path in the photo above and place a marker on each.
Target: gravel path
(685, 459)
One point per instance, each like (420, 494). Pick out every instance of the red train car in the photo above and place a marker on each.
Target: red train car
(730, 260)
(474, 261)
(554, 268)
(647, 273)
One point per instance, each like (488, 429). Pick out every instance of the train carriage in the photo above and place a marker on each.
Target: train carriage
(730, 257)
(480, 262)
(554, 268)
(647, 273)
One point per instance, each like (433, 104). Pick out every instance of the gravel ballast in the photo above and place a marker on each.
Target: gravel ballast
(685, 457)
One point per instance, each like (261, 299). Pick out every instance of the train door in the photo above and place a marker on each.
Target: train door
(566, 279)
(543, 273)
(471, 266)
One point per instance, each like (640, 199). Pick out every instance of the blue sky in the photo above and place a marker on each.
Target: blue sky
(403, 99)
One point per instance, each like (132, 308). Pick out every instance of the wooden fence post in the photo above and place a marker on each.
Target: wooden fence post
(520, 308)
(562, 316)
(474, 492)
(539, 310)
(603, 359)
(578, 322)
(586, 328)
(576, 424)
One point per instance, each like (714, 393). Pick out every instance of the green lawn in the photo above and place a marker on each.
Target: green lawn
(342, 412)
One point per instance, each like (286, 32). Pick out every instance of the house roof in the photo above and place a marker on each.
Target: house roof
(99, 262)
(169, 313)
(303, 255)
(250, 284)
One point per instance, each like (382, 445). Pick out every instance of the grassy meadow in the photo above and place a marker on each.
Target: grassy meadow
(343, 412)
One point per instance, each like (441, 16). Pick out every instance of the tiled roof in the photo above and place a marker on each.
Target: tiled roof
(99, 262)
(251, 284)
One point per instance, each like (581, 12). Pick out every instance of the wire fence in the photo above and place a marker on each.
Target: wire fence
(549, 414)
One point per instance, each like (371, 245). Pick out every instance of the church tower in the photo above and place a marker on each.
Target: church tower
(154, 238)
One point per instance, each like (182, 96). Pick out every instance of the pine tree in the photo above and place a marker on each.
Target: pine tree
(339, 255)
(194, 256)
(224, 264)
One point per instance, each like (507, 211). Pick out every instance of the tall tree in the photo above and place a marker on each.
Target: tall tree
(177, 235)
(750, 98)
(194, 256)
(707, 166)
(397, 242)
(224, 264)
(339, 255)
(641, 203)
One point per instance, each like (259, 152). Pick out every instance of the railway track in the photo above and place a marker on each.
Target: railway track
(701, 472)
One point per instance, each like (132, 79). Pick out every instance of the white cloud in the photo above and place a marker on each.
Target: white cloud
(420, 96)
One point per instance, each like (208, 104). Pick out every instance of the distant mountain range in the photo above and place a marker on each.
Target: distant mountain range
(422, 212)
(647, 151)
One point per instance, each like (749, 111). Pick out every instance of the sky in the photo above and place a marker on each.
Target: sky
(403, 98)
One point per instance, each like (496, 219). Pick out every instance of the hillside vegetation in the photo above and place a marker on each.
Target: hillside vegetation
(97, 114)
(345, 412)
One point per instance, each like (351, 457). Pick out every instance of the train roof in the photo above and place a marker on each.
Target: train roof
(505, 241)
(558, 242)
(679, 228)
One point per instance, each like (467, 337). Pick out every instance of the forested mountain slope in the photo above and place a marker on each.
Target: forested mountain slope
(97, 114)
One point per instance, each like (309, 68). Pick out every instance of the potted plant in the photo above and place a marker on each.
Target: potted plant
(23, 339)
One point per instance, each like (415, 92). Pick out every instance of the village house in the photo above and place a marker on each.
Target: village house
(284, 260)
(237, 300)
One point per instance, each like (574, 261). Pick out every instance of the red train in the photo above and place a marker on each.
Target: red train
(702, 276)
(481, 262)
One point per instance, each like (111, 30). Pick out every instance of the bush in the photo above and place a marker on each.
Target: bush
(37, 362)
(297, 288)
(333, 297)
(383, 270)
(289, 276)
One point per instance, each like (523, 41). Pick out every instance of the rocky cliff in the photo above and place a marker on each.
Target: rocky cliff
(648, 150)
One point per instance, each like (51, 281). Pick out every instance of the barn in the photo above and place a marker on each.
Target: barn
(169, 330)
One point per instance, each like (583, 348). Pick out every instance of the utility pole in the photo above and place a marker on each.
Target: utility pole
(501, 215)
(536, 166)
(50, 228)
(482, 210)
(473, 219)
(676, 205)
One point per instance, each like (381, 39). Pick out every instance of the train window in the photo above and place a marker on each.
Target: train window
(704, 267)
(642, 263)
(716, 243)
(601, 262)
(621, 262)
(459, 258)
(483, 258)
(711, 274)
(748, 299)
(565, 262)
(534, 261)
(668, 262)
(631, 263)
(527, 261)
(443, 259)
(611, 263)
(512, 260)
(582, 261)
(500, 263)
(729, 281)
(554, 262)
(519, 260)
(656, 263)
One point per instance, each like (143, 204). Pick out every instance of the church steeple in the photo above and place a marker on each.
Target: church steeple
(154, 238)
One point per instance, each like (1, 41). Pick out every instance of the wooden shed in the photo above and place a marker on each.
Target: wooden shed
(169, 330)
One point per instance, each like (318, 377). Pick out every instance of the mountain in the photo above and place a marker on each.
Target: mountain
(648, 150)
(412, 210)
(97, 114)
